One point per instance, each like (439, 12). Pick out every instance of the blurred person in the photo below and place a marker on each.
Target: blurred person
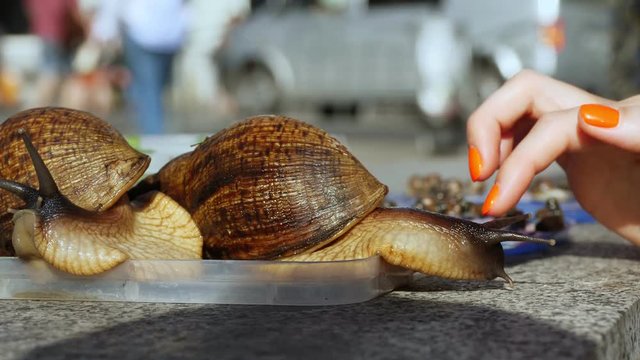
(59, 25)
(534, 120)
(199, 75)
(150, 32)
(92, 84)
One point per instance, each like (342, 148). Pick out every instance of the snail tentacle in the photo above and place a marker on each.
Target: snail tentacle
(28, 194)
(503, 222)
(503, 275)
(498, 236)
(47, 186)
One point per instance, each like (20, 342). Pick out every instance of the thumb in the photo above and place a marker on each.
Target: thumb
(619, 127)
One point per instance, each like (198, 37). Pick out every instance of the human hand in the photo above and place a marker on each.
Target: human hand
(534, 120)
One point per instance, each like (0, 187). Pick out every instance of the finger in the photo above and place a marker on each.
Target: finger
(527, 94)
(507, 144)
(549, 138)
(619, 127)
(511, 138)
(634, 100)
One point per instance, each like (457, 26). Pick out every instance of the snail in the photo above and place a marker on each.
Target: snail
(271, 187)
(74, 144)
(544, 189)
(550, 217)
(87, 225)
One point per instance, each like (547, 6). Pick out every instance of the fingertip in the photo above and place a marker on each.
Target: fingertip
(618, 126)
(499, 200)
(509, 187)
(475, 163)
(489, 202)
(599, 116)
(483, 138)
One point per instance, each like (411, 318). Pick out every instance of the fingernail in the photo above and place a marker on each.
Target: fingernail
(475, 163)
(599, 115)
(491, 198)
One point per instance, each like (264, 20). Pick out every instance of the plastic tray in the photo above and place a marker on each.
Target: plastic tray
(208, 281)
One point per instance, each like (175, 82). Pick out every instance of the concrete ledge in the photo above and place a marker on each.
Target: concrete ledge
(578, 301)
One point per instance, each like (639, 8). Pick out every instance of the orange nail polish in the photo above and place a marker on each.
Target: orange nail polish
(599, 115)
(491, 198)
(475, 163)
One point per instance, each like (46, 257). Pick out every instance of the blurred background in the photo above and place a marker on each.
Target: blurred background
(395, 80)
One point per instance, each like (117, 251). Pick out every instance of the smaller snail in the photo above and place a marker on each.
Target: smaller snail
(545, 188)
(86, 242)
(444, 196)
(550, 217)
(89, 159)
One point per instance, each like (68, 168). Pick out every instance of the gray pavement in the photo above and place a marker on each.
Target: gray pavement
(580, 300)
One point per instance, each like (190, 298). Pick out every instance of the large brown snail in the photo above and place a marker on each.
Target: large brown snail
(87, 225)
(269, 187)
(273, 187)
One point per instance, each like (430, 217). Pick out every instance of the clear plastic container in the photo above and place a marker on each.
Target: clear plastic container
(208, 281)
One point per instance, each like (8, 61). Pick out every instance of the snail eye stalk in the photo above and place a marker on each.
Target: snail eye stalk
(29, 195)
(33, 198)
(48, 187)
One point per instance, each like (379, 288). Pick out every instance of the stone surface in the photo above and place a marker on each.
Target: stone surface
(580, 300)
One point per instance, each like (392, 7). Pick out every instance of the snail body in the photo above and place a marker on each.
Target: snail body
(426, 242)
(272, 187)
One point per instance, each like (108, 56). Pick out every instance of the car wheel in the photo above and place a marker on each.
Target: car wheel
(255, 90)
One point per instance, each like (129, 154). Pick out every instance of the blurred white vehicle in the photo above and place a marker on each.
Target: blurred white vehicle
(353, 53)
(567, 39)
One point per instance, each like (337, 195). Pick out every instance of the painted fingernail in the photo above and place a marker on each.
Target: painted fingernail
(475, 163)
(599, 115)
(491, 198)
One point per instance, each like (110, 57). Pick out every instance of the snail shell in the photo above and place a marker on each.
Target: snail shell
(269, 187)
(92, 163)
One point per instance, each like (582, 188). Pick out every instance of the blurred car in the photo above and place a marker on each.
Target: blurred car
(357, 53)
(587, 58)
(567, 39)
(508, 36)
